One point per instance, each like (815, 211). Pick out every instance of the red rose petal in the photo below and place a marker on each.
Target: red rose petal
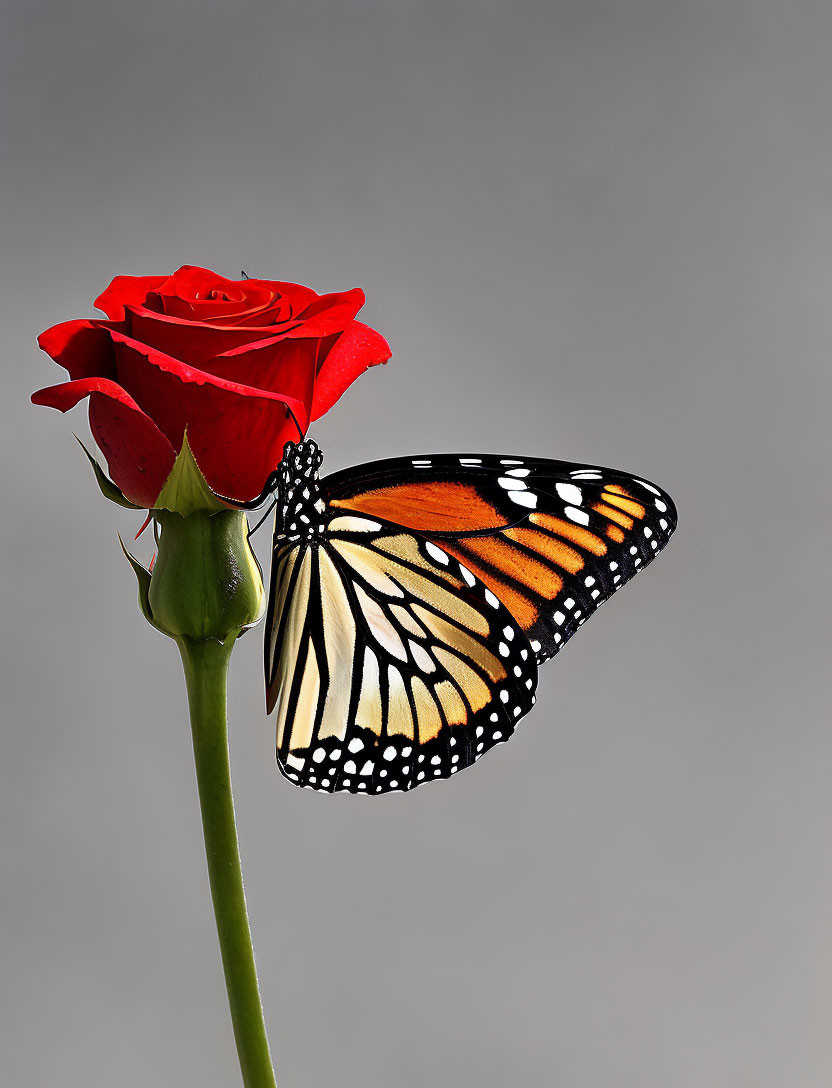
(138, 455)
(198, 343)
(358, 348)
(126, 291)
(288, 301)
(197, 294)
(247, 301)
(330, 314)
(236, 432)
(84, 348)
(280, 366)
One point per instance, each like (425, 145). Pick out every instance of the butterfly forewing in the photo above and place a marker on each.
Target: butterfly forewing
(388, 661)
(552, 539)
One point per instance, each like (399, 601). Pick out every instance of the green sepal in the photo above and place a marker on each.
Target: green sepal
(186, 489)
(108, 489)
(143, 577)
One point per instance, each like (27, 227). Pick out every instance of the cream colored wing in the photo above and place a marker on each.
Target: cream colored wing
(388, 663)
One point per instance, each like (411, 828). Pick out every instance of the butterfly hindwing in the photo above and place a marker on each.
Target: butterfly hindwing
(552, 539)
(388, 661)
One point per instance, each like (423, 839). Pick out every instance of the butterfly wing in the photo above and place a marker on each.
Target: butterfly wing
(388, 661)
(551, 539)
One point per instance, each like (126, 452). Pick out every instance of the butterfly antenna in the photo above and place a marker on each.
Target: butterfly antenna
(295, 421)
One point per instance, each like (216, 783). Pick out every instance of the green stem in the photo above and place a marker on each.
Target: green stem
(206, 672)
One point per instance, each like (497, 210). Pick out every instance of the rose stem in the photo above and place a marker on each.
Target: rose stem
(206, 673)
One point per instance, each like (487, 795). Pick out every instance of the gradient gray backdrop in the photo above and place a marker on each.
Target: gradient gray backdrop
(591, 230)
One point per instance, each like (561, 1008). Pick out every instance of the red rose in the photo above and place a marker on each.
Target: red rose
(228, 359)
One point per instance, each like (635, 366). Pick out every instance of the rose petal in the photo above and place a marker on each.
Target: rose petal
(138, 455)
(197, 294)
(84, 348)
(192, 281)
(248, 302)
(236, 432)
(279, 366)
(358, 348)
(198, 343)
(330, 314)
(288, 301)
(126, 291)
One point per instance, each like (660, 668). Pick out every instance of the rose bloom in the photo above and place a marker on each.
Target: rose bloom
(231, 360)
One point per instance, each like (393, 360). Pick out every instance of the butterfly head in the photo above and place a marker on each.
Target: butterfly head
(300, 507)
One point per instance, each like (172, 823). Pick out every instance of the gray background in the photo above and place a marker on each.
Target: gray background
(592, 230)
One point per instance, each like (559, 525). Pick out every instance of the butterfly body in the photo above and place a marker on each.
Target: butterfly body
(412, 601)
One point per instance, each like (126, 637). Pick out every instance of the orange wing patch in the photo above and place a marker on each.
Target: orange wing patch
(575, 533)
(612, 514)
(498, 553)
(549, 547)
(519, 605)
(615, 496)
(443, 507)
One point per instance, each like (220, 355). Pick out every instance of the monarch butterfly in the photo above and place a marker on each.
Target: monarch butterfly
(413, 599)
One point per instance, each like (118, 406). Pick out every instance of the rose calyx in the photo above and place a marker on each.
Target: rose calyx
(206, 582)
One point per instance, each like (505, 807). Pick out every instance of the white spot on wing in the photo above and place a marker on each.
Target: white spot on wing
(436, 553)
(580, 516)
(649, 487)
(524, 498)
(570, 493)
(353, 525)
